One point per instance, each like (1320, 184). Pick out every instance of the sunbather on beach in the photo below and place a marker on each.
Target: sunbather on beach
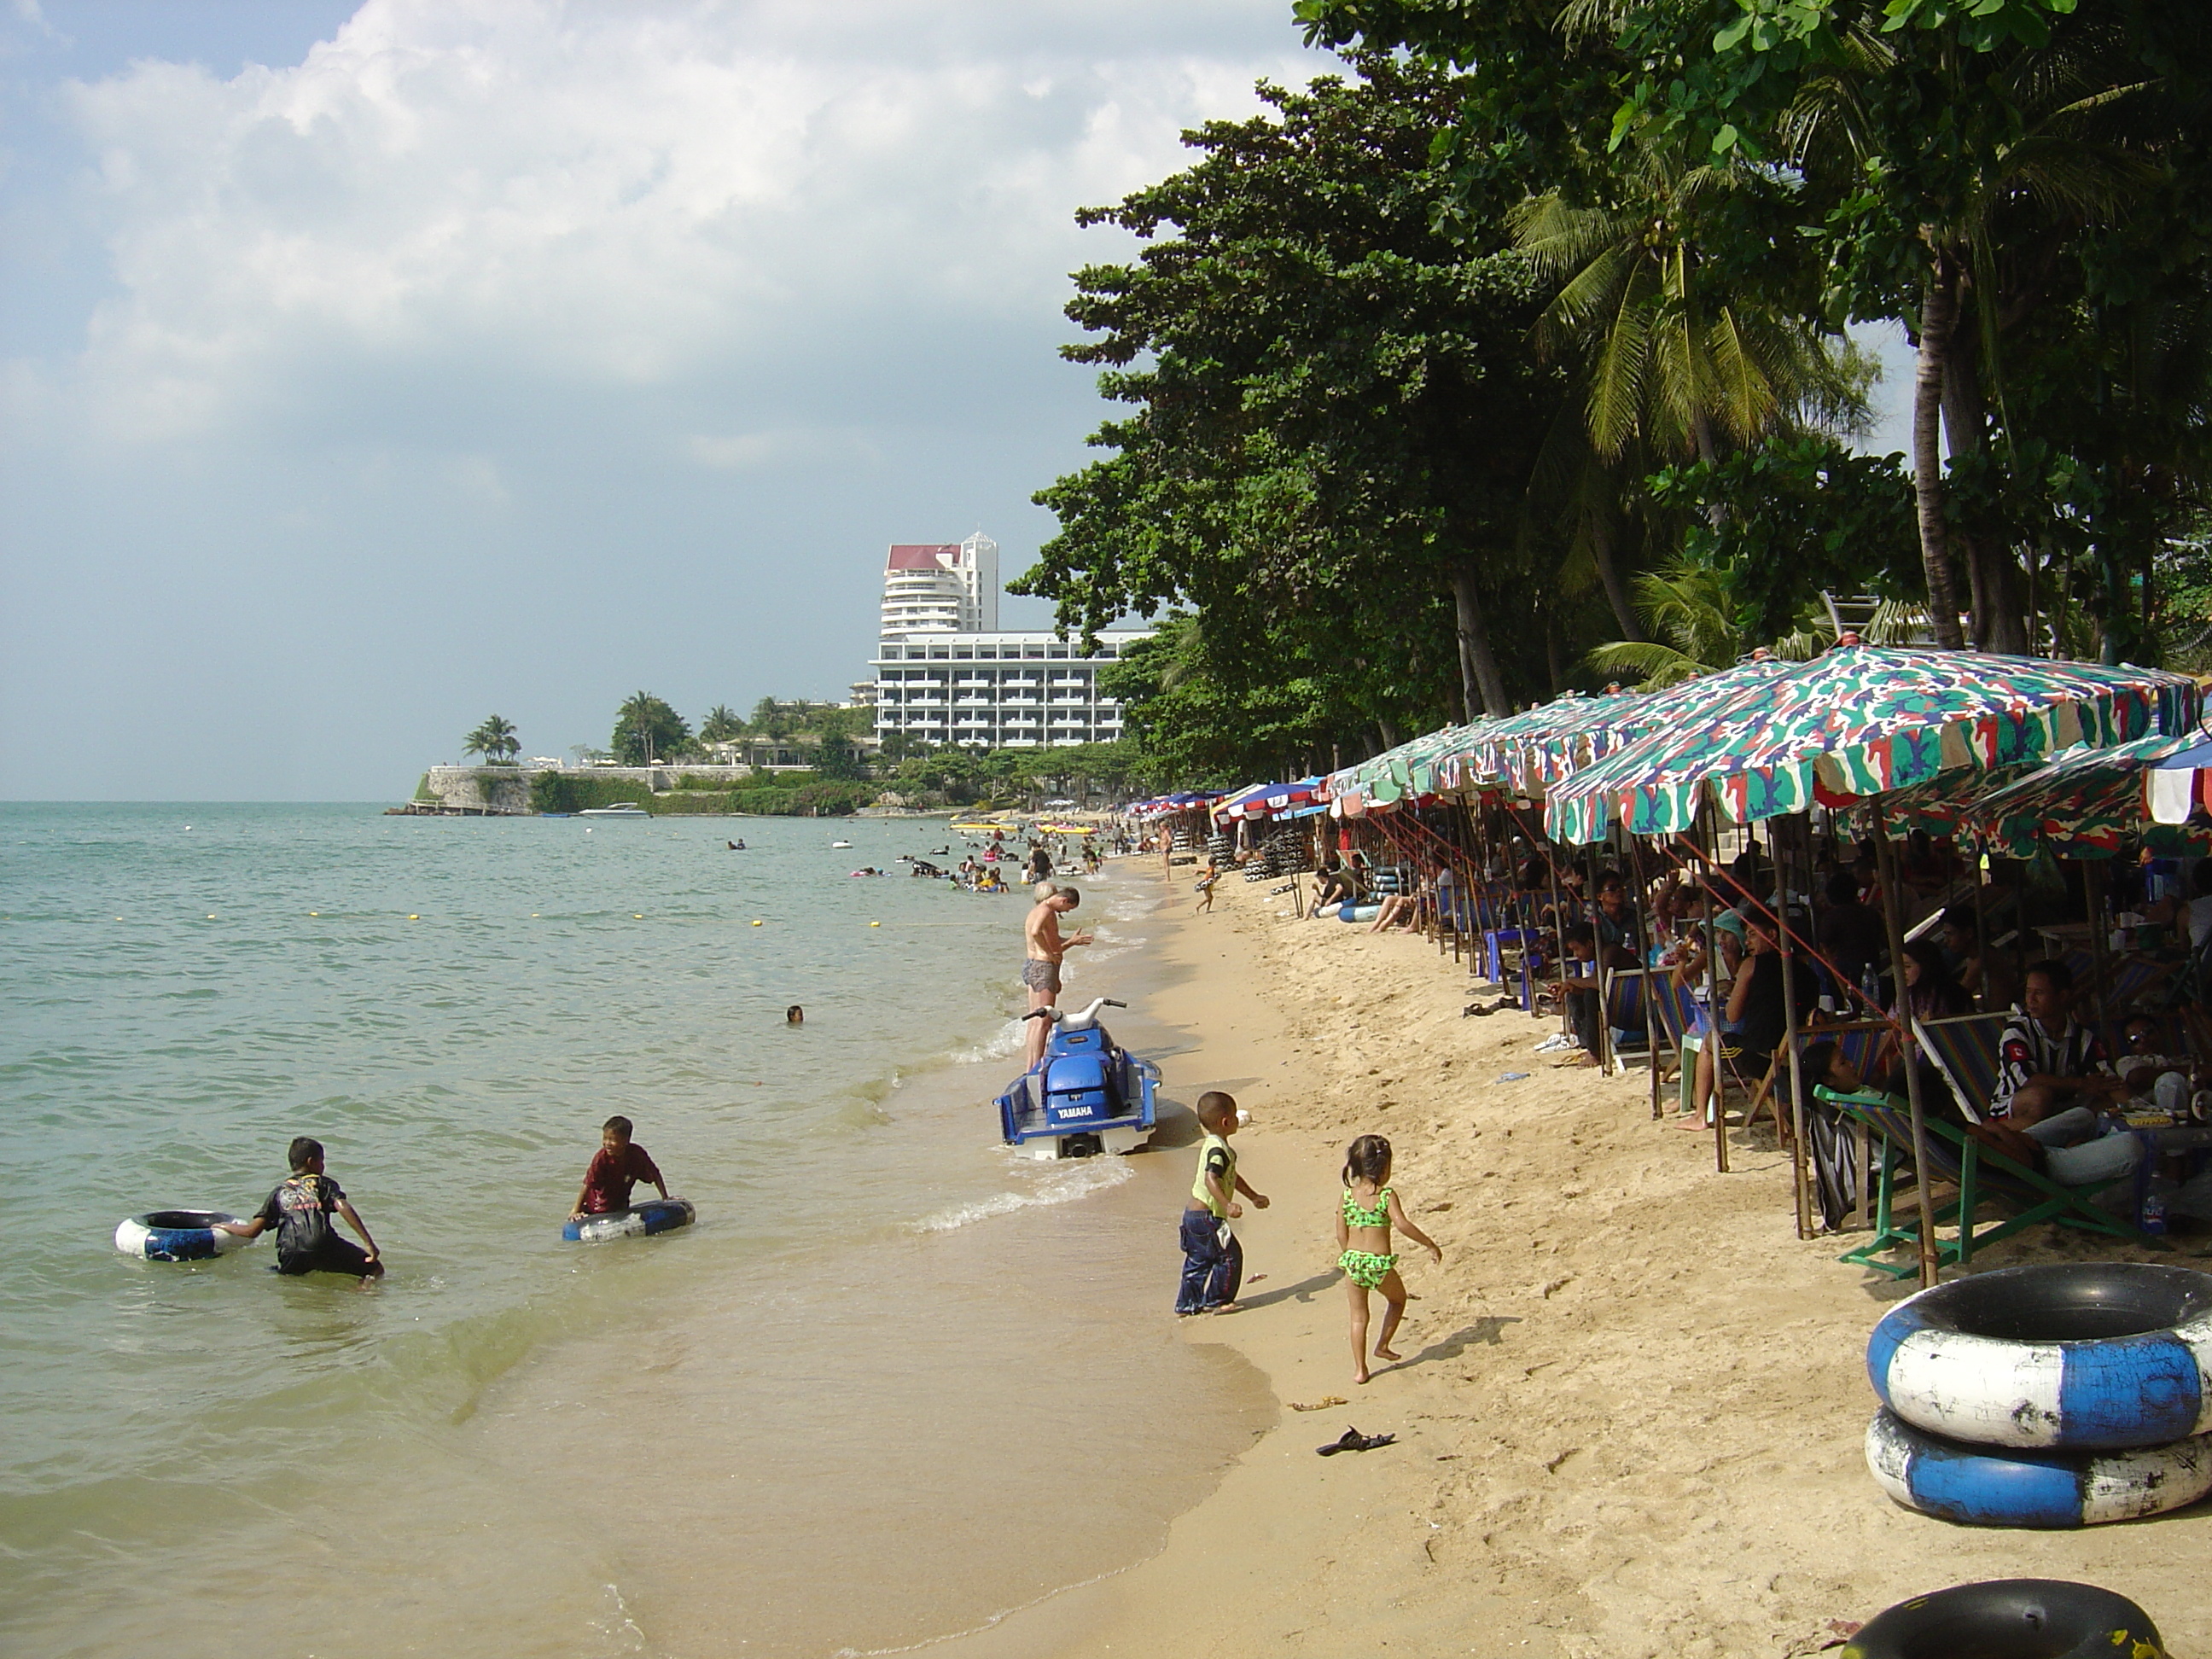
(1369, 1209)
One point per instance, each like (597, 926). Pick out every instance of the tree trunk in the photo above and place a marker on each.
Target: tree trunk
(1992, 568)
(1481, 682)
(1939, 307)
(1608, 576)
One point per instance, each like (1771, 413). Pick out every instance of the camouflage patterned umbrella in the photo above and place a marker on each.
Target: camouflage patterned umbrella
(2083, 806)
(1859, 720)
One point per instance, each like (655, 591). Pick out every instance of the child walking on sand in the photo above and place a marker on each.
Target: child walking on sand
(1212, 1260)
(1370, 1208)
(1205, 886)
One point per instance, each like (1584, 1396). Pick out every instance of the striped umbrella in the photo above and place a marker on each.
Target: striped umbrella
(1858, 720)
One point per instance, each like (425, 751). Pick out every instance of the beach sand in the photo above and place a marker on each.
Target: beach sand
(1630, 1419)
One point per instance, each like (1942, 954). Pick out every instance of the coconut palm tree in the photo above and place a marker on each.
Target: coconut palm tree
(495, 740)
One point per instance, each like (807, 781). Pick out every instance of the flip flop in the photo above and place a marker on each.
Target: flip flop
(1352, 1440)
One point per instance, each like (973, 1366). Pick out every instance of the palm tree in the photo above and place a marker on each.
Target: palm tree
(495, 740)
(1670, 358)
(2035, 150)
(723, 724)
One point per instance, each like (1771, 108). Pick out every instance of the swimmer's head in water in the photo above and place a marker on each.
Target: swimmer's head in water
(304, 1153)
(794, 1015)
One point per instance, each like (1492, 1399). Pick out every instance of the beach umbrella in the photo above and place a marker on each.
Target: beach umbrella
(2179, 782)
(1525, 751)
(1859, 720)
(2082, 805)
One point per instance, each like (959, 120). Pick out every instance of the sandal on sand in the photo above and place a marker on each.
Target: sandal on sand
(1352, 1440)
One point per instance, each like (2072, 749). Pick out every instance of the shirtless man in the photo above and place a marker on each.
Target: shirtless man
(1040, 972)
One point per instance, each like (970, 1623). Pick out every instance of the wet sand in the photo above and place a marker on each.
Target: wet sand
(1631, 1415)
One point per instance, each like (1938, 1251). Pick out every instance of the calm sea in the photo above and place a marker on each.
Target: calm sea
(892, 1383)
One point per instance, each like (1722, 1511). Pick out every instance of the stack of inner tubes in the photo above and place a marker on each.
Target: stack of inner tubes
(2010, 1619)
(2061, 1395)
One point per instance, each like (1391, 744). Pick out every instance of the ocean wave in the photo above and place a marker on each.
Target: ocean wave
(1007, 1040)
(1066, 1182)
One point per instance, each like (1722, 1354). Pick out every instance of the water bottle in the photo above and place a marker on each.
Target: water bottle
(1871, 985)
(2154, 1214)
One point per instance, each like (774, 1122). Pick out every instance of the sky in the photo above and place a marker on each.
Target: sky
(369, 369)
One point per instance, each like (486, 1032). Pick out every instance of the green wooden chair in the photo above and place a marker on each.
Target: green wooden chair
(1975, 1173)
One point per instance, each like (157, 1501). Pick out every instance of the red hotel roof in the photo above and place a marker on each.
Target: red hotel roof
(916, 555)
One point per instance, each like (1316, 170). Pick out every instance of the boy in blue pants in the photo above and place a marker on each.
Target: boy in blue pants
(1212, 1260)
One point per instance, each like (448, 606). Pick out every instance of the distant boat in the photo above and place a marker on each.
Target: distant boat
(624, 809)
(840, 843)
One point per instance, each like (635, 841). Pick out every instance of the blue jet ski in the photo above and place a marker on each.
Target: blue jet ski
(1087, 1096)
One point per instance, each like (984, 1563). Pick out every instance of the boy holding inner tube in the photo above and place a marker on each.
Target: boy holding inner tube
(618, 1165)
(301, 1210)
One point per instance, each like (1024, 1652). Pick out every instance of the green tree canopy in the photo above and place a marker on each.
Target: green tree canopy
(647, 729)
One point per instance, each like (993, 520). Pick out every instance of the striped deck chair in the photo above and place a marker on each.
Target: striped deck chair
(1965, 1050)
(1975, 1174)
(2132, 982)
(1628, 1020)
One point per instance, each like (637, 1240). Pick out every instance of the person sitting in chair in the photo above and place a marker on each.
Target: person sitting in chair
(2054, 1084)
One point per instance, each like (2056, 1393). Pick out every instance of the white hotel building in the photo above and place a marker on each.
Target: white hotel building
(945, 673)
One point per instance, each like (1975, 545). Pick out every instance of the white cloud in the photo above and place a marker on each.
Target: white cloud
(616, 195)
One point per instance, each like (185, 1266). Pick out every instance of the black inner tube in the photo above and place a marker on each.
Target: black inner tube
(2007, 1618)
(2070, 1302)
(182, 1220)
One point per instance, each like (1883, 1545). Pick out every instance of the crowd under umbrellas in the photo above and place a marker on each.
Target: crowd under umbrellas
(2019, 761)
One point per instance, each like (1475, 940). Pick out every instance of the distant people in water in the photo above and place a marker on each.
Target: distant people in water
(618, 1165)
(737, 846)
(794, 1015)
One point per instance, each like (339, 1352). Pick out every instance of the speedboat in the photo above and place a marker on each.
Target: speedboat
(621, 809)
(1087, 1096)
(835, 845)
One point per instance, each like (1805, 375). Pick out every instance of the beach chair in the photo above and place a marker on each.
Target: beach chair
(1975, 1174)
(1628, 1020)
(1686, 1023)
(1965, 1050)
(2134, 982)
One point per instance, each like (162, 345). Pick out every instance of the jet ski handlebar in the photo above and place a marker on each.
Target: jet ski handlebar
(1076, 1021)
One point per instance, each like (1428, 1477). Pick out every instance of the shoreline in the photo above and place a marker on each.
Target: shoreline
(1631, 1415)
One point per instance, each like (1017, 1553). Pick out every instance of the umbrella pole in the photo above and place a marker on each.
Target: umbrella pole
(1714, 1006)
(2096, 888)
(1784, 833)
(1597, 961)
(1886, 862)
(1559, 935)
(1645, 936)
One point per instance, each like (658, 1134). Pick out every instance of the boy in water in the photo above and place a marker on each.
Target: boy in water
(1213, 1259)
(301, 1210)
(618, 1165)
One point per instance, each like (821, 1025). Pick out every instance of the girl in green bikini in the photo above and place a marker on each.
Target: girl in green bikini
(1370, 1208)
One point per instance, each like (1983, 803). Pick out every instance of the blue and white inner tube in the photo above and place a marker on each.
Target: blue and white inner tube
(2093, 1355)
(655, 1215)
(178, 1236)
(1994, 1487)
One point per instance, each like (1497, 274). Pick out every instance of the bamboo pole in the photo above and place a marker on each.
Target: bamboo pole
(1798, 1171)
(1714, 1007)
(1885, 864)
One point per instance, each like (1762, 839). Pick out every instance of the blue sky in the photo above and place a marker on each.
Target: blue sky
(369, 369)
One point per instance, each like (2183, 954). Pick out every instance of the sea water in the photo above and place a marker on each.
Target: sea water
(894, 1382)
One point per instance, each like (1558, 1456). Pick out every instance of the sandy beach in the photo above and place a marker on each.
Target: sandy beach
(1630, 1418)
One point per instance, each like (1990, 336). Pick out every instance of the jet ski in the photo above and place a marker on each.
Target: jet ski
(1087, 1096)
